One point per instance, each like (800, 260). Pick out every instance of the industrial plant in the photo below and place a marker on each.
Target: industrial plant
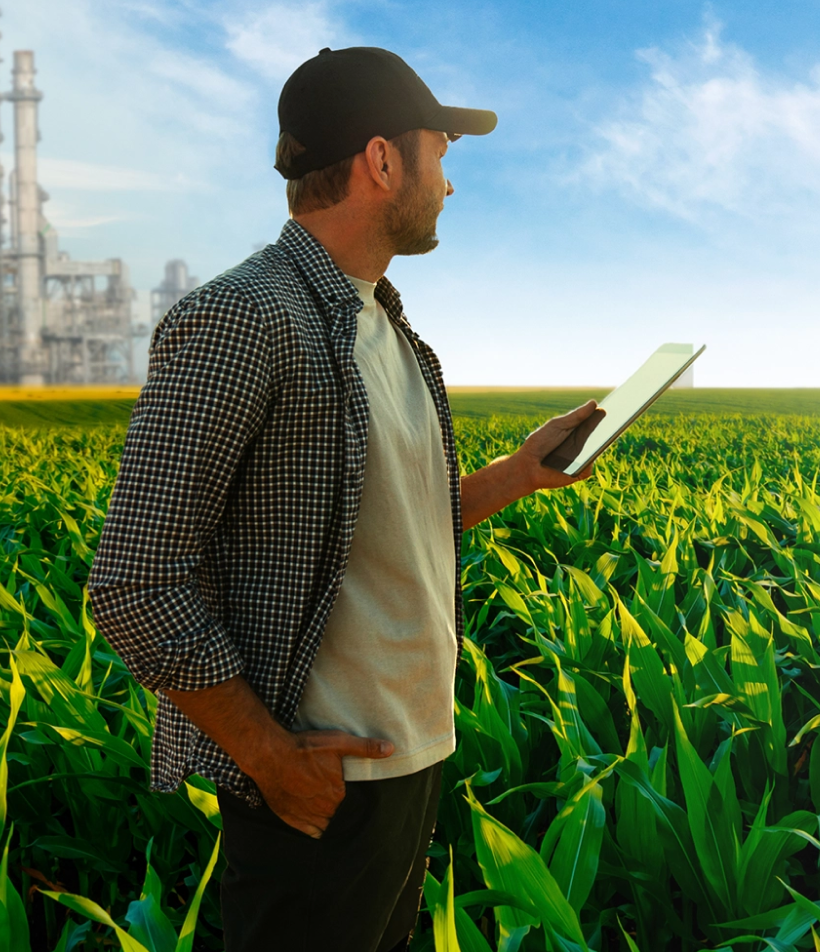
(173, 287)
(61, 321)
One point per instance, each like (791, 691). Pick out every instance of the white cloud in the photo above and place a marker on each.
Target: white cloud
(274, 42)
(69, 220)
(711, 130)
(90, 177)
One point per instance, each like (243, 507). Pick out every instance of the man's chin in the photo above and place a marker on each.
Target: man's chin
(420, 246)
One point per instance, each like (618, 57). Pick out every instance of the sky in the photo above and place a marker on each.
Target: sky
(654, 176)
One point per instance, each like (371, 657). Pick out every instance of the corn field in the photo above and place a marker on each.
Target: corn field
(637, 708)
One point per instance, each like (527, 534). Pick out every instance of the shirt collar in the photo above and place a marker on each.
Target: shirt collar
(328, 281)
(316, 265)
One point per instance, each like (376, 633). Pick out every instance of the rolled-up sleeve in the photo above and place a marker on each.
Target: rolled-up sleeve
(206, 398)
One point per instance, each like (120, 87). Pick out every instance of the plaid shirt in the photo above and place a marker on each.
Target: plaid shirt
(231, 521)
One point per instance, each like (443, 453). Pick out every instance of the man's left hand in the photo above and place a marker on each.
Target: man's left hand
(489, 489)
(543, 441)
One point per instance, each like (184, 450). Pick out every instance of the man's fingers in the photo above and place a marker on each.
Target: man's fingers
(567, 422)
(579, 414)
(371, 747)
(313, 828)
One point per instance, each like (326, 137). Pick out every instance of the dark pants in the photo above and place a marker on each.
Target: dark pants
(356, 889)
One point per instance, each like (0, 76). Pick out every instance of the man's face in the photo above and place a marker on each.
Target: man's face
(410, 220)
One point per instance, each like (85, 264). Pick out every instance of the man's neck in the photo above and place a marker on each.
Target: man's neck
(351, 240)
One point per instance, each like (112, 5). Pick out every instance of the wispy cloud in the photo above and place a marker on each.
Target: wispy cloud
(68, 219)
(712, 130)
(276, 40)
(91, 177)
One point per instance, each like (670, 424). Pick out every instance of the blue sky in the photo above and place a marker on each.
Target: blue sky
(655, 173)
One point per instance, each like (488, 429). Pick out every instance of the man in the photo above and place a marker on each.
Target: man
(280, 557)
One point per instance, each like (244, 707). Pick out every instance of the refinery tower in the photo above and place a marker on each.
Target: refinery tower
(61, 321)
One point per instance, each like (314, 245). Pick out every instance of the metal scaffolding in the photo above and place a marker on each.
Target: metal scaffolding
(61, 321)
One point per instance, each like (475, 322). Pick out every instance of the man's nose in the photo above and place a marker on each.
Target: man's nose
(450, 188)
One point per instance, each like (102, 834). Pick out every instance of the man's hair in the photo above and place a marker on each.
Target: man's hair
(326, 187)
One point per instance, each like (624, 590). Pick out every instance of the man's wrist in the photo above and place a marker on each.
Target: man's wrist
(233, 715)
(517, 477)
(268, 743)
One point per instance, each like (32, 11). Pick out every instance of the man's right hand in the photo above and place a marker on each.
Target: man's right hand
(303, 783)
(299, 774)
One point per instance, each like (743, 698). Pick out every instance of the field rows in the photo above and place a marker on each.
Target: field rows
(95, 406)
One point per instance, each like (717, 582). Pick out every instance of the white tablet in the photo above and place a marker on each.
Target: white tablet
(621, 408)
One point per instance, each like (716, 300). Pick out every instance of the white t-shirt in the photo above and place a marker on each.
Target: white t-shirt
(386, 664)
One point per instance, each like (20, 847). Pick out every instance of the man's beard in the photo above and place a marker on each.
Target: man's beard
(410, 221)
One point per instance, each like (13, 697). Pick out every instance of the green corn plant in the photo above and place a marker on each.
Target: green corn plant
(77, 737)
(637, 709)
(675, 624)
(150, 929)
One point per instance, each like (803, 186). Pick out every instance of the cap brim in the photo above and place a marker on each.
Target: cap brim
(463, 122)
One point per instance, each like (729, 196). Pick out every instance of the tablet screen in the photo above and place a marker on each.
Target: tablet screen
(623, 406)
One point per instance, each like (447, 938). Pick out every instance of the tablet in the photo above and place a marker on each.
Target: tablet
(621, 408)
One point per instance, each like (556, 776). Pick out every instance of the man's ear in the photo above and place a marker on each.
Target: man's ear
(381, 164)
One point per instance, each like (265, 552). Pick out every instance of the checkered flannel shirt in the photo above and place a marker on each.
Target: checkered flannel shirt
(231, 521)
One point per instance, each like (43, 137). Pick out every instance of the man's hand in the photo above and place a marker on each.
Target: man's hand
(298, 774)
(543, 441)
(304, 785)
(512, 477)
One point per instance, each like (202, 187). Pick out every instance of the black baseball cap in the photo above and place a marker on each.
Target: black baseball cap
(335, 103)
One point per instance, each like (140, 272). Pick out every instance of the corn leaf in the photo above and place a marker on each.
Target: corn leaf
(673, 829)
(85, 907)
(574, 863)
(150, 926)
(444, 918)
(16, 694)
(206, 802)
(14, 931)
(509, 864)
(120, 751)
(652, 683)
(630, 942)
(469, 935)
(814, 775)
(715, 841)
(186, 935)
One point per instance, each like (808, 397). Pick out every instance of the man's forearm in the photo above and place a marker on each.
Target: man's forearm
(233, 716)
(491, 488)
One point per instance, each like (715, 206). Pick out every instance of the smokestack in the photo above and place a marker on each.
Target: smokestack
(27, 213)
